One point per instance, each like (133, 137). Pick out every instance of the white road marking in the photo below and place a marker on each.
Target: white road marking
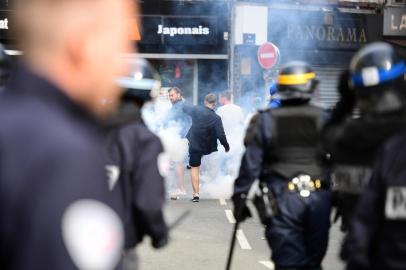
(230, 216)
(268, 264)
(223, 202)
(242, 240)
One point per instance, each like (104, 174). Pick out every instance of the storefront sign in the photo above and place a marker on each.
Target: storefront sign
(173, 31)
(179, 27)
(327, 33)
(187, 30)
(5, 25)
(319, 30)
(394, 22)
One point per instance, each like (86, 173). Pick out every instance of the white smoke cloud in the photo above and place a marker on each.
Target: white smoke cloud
(218, 170)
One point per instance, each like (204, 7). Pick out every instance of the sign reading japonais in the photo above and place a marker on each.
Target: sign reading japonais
(173, 31)
(179, 30)
(394, 22)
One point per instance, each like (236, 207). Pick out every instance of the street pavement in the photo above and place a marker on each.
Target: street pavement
(202, 241)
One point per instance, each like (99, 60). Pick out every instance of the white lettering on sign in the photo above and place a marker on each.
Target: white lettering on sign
(327, 33)
(401, 25)
(267, 55)
(395, 207)
(173, 31)
(4, 24)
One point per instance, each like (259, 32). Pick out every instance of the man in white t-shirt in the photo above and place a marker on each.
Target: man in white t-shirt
(231, 114)
(233, 122)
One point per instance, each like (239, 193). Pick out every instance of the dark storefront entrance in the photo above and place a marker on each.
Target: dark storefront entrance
(188, 44)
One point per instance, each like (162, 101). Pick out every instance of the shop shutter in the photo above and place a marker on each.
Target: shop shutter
(328, 77)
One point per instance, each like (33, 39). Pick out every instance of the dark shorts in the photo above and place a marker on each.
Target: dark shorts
(195, 158)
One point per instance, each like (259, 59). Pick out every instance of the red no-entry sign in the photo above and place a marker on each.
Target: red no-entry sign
(268, 55)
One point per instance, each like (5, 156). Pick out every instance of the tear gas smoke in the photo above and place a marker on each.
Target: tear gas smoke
(218, 170)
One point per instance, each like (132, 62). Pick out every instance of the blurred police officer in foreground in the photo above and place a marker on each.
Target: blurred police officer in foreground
(5, 67)
(133, 170)
(374, 85)
(377, 239)
(53, 192)
(282, 150)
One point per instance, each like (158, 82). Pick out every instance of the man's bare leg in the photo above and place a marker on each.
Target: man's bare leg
(195, 180)
(180, 175)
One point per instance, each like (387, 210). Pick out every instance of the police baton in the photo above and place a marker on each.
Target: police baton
(240, 208)
(231, 251)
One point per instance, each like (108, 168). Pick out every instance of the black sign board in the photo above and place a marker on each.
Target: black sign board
(321, 30)
(5, 4)
(5, 20)
(193, 27)
(170, 30)
(394, 22)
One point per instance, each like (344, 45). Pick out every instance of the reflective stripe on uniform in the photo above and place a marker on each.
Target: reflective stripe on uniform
(295, 78)
(350, 179)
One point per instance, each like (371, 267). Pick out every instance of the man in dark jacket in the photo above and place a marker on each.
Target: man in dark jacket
(54, 199)
(206, 129)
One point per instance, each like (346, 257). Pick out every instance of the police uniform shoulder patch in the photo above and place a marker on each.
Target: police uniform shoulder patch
(93, 235)
(113, 174)
(395, 206)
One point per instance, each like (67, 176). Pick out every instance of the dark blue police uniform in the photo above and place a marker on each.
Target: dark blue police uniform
(139, 188)
(377, 239)
(353, 144)
(281, 143)
(51, 156)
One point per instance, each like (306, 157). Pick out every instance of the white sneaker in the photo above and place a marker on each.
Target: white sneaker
(178, 194)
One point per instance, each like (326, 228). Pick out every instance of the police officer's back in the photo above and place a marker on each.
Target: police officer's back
(377, 239)
(374, 85)
(282, 151)
(133, 153)
(54, 199)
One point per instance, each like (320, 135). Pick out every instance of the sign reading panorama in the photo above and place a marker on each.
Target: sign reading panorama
(321, 30)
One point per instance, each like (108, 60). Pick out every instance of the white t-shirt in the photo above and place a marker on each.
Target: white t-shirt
(232, 118)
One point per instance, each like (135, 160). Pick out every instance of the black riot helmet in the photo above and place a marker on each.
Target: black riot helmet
(296, 81)
(140, 85)
(377, 77)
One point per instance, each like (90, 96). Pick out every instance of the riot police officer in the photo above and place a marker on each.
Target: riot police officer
(374, 86)
(377, 239)
(282, 150)
(5, 67)
(55, 207)
(133, 153)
